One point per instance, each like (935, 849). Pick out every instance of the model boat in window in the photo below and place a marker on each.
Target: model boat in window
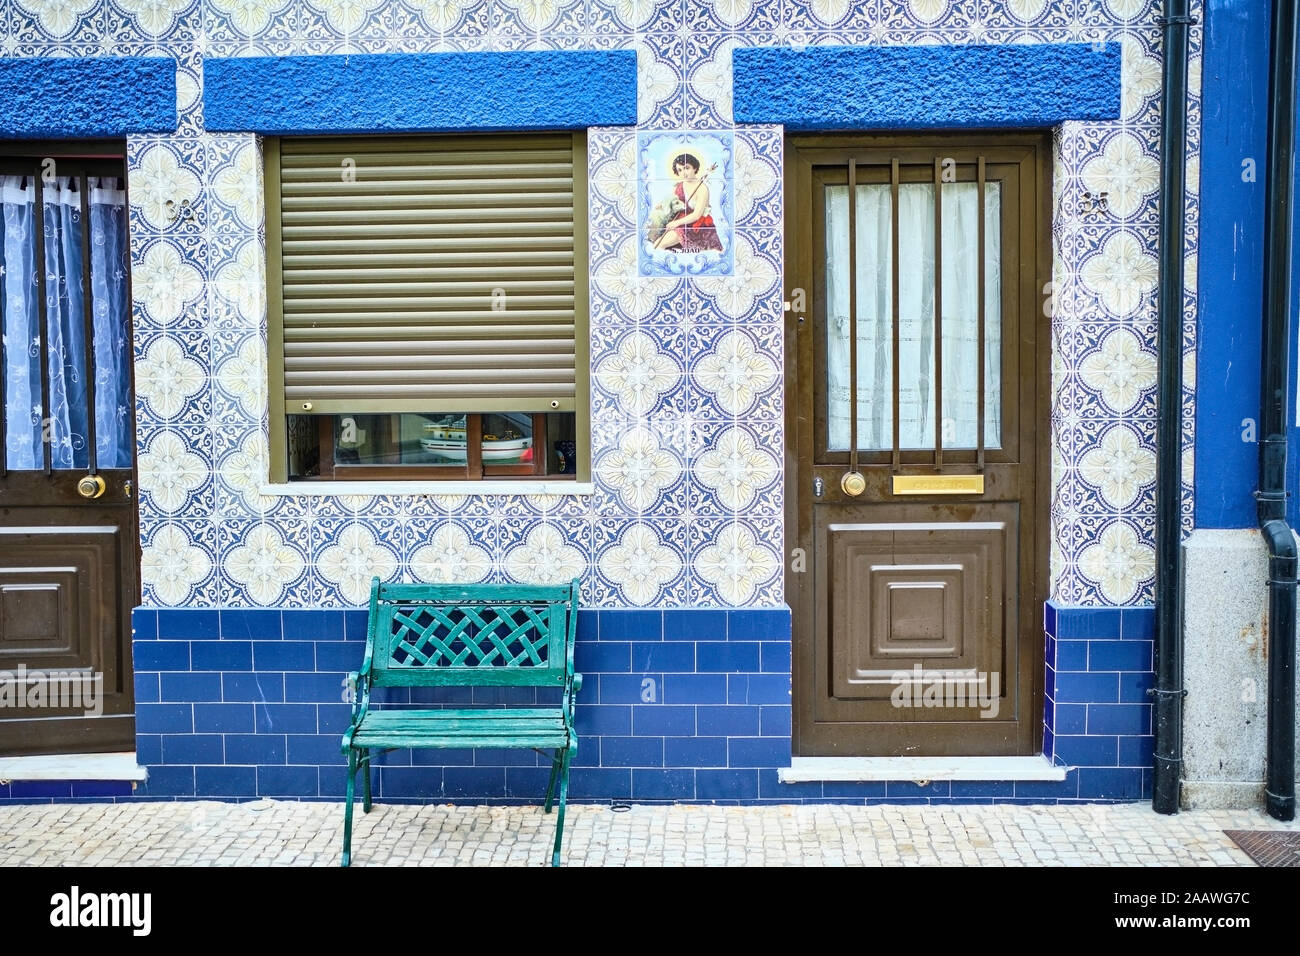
(447, 438)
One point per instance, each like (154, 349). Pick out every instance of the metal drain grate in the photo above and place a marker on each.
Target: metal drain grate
(1269, 847)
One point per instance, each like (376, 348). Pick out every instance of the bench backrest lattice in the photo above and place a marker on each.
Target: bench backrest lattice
(487, 634)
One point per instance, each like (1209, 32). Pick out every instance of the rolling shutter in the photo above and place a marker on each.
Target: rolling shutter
(426, 273)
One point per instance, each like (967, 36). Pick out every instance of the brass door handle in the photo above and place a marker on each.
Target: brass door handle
(852, 483)
(91, 486)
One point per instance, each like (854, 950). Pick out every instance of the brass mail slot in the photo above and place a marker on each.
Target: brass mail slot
(938, 484)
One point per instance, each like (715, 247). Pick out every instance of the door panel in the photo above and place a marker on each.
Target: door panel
(916, 607)
(930, 595)
(915, 471)
(46, 621)
(69, 558)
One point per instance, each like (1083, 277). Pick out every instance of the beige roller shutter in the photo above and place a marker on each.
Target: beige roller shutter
(426, 273)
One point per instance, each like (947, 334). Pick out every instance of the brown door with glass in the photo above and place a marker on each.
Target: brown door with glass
(917, 437)
(69, 560)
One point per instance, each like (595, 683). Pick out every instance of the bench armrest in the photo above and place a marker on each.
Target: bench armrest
(358, 684)
(367, 660)
(571, 688)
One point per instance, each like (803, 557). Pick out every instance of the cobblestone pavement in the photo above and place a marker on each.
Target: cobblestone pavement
(277, 833)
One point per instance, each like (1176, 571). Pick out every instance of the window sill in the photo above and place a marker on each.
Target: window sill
(334, 489)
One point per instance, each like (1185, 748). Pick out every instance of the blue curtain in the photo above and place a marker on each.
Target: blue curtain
(66, 423)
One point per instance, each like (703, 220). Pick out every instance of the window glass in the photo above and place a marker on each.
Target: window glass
(435, 444)
(916, 316)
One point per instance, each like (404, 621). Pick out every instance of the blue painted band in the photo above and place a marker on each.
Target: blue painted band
(426, 92)
(85, 97)
(920, 87)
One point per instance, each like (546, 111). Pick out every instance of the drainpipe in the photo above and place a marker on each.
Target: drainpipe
(1279, 208)
(1168, 691)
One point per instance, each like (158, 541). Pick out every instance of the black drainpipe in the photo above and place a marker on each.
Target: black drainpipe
(1279, 209)
(1169, 691)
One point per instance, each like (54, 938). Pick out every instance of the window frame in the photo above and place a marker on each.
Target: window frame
(1026, 154)
(578, 482)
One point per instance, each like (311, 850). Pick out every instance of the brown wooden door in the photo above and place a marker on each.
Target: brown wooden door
(918, 458)
(69, 559)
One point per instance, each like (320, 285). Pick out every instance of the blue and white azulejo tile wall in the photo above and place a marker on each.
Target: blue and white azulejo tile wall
(686, 371)
(686, 515)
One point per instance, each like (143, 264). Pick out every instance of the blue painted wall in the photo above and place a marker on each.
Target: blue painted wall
(919, 87)
(1233, 128)
(425, 92)
(86, 97)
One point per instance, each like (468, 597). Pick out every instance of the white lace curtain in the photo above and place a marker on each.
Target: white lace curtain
(65, 424)
(959, 418)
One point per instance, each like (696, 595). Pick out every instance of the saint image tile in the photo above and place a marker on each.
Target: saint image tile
(685, 222)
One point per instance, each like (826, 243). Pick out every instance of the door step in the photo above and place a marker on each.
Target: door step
(817, 769)
(113, 766)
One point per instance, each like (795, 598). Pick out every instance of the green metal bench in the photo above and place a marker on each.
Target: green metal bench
(455, 635)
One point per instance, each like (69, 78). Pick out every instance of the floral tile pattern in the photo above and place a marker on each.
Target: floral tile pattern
(687, 396)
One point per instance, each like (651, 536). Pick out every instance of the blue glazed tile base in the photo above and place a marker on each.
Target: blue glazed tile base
(677, 705)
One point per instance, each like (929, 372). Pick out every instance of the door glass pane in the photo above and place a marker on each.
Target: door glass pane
(960, 235)
(916, 398)
(61, 324)
(22, 325)
(67, 429)
(111, 308)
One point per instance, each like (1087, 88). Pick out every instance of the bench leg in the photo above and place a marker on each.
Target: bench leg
(559, 817)
(347, 807)
(550, 785)
(366, 761)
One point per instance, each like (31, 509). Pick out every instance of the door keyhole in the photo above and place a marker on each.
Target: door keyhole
(819, 487)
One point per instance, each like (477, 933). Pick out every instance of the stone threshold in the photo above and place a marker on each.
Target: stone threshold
(111, 766)
(919, 769)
